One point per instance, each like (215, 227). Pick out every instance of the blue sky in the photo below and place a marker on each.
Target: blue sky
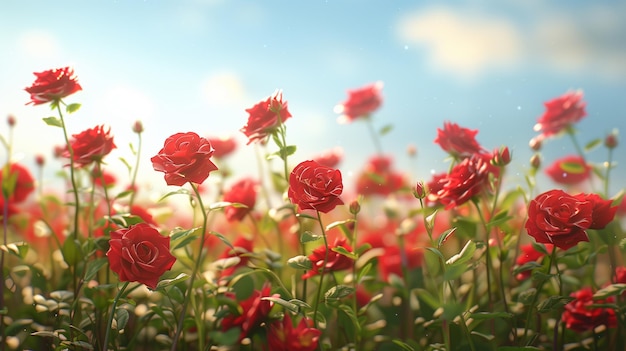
(196, 65)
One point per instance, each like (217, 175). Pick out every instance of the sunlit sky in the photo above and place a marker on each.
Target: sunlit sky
(196, 65)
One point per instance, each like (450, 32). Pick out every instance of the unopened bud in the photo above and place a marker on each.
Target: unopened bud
(611, 141)
(535, 161)
(355, 207)
(40, 160)
(411, 150)
(535, 143)
(11, 120)
(420, 190)
(138, 127)
(501, 157)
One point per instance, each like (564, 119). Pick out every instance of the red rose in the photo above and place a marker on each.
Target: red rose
(140, 253)
(580, 316)
(223, 146)
(243, 192)
(458, 141)
(185, 157)
(603, 211)
(560, 113)
(466, 180)
(379, 178)
(360, 103)
(283, 336)
(21, 183)
(265, 117)
(569, 170)
(558, 218)
(392, 261)
(53, 85)
(330, 158)
(528, 254)
(334, 262)
(315, 187)
(90, 146)
(254, 310)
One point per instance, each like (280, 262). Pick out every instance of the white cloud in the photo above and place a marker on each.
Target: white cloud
(464, 44)
(223, 89)
(38, 44)
(468, 43)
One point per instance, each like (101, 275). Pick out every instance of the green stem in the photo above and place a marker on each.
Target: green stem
(609, 166)
(374, 135)
(196, 268)
(133, 180)
(72, 172)
(531, 308)
(105, 346)
(319, 288)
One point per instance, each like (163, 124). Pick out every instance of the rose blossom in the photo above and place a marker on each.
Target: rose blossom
(466, 180)
(90, 146)
(334, 262)
(379, 178)
(223, 146)
(603, 210)
(23, 185)
(560, 113)
(140, 253)
(361, 103)
(528, 254)
(185, 157)
(243, 192)
(555, 217)
(254, 310)
(265, 117)
(283, 336)
(580, 316)
(330, 158)
(315, 187)
(569, 170)
(458, 141)
(53, 85)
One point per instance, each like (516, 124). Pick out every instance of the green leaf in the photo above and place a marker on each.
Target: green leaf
(53, 121)
(71, 251)
(19, 249)
(386, 129)
(121, 316)
(338, 223)
(573, 167)
(343, 251)
(428, 298)
(610, 290)
(444, 236)
(71, 108)
(94, 267)
(168, 282)
(553, 303)
(287, 151)
(181, 191)
(403, 345)
(286, 304)
(337, 292)
(465, 255)
(223, 239)
(592, 144)
(491, 315)
(300, 262)
(309, 236)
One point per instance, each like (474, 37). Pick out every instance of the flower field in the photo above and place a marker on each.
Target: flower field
(297, 258)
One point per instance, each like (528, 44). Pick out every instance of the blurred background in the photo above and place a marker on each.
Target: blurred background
(196, 65)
